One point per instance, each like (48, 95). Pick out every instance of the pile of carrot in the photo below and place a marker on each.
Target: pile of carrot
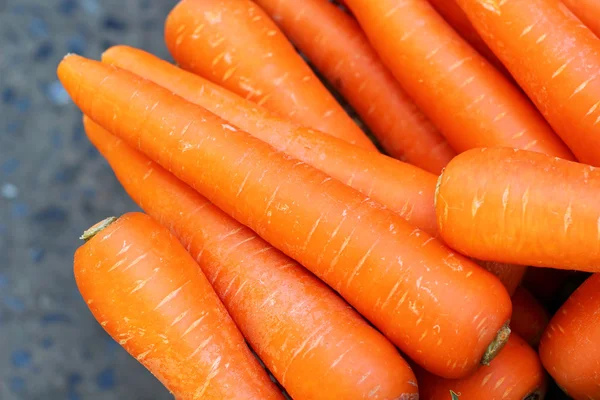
(450, 250)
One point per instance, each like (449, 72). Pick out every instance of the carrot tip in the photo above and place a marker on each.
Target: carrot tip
(94, 230)
(497, 345)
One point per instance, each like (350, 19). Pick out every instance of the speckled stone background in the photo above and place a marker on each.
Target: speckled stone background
(53, 185)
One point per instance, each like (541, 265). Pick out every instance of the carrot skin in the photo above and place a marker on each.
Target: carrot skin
(356, 71)
(554, 58)
(529, 318)
(515, 373)
(271, 298)
(149, 295)
(521, 207)
(405, 282)
(456, 17)
(569, 348)
(401, 187)
(470, 101)
(588, 11)
(235, 44)
(510, 275)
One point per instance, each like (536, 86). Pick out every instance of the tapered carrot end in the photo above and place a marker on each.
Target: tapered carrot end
(497, 345)
(113, 53)
(97, 228)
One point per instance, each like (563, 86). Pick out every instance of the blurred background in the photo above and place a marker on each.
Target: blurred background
(53, 185)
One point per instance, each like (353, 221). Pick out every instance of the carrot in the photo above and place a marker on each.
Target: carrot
(471, 103)
(521, 207)
(235, 43)
(352, 66)
(406, 190)
(456, 17)
(553, 59)
(271, 298)
(509, 274)
(588, 11)
(529, 317)
(150, 296)
(438, 307)
(402, 188)
(569, 347)
(516, 373)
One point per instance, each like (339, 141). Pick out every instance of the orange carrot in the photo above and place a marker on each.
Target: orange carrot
(150, 296)
(516, 373)
(554, 58)
(456, 17)
(569, 348)
(352, 66)
(235, 43)
(471, 103)
(509, 274)
(521, 207)
(406, 190)
(402, 188)
(529, 318)
(441, 309)
(271, 298)
(588, 11)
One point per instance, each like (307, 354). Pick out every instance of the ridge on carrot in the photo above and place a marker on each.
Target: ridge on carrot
(405, 282)
(471, 102)
(355, 70)
(402, 188)
(307, 336)
(149, 295)
(235, 43)
(521, 207)
(554, 58)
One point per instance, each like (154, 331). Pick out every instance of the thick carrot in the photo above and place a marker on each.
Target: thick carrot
(588, 11)
(352, 66)
(404, 189)
(521, 207)
(456, 17)
(515, 374)
(471, 103)
(569, 348)
(554, 59)
(150, 296)
(307, 336)
(529, 318)
(236, 44)
(441, 309)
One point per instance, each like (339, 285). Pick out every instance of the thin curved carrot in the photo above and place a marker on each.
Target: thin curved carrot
(516, 373)
(402, 188)
(521, 207)
(149, 295)
(529, 318)
(588, 11)
(470, 102)
(554, 58)
(271, 298)
(352, 66)
(456, 17)
(569, 348)
(235, 44)
(441, 309)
